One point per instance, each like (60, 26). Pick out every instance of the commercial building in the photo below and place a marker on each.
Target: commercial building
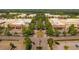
(64, 23)
(16, 23)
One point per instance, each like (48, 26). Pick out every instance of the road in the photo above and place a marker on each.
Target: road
(43, 43)
(13, 38)
(43, 39)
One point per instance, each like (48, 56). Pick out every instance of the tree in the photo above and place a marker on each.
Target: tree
(72, 30)
(52, 42)
(9, 28)
(27, 31)
(66, 47)
(32, 26)
(7, 32)
(28, 43)
(64, 33)
(1, 30)
(57, 32)
(12, 46)
(50, 31)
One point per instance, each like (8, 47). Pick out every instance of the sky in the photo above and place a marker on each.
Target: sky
(39, 4)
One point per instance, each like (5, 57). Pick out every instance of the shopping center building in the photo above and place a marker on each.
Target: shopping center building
(64, 23)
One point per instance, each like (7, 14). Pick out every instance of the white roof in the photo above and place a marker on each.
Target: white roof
(72, 21)
(56, 21)
(1, 20)
(31, 15)
(27, 20)
(19, 23)
(22, 21)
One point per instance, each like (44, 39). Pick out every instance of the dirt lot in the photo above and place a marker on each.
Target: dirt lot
(5, 45)
(70, 44)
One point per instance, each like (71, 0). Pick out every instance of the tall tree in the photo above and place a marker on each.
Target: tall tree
(72, 30)
(52, 43)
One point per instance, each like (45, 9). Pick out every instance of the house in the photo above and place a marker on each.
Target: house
(31, 15)
(22, 15)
